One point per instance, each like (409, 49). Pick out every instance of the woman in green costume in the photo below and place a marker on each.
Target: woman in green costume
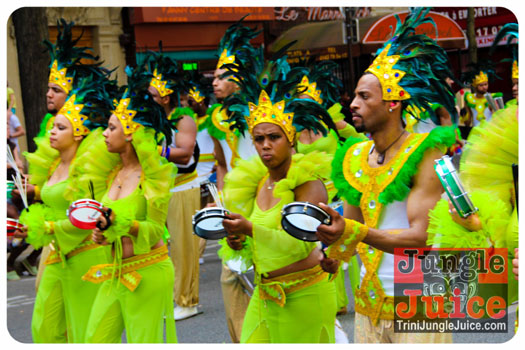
(63, 300)
(294, 299)
(136, 289)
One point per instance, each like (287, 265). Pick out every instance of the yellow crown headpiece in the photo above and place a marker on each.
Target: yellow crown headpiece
(311, 89)
(160, 84)
(125, 116)
(515, 69)
(71, 111)
(196, 94)
(225, 59)
(382, 68)
(59, 77)
(266, 112)
(480, 78)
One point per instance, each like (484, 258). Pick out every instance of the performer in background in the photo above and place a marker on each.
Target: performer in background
(166, 87)
(478, 75)
(229, 146)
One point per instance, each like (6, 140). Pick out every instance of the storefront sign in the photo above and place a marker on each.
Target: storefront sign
(487, 21)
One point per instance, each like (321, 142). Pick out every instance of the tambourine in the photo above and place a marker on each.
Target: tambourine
(301, 219)
(12, 226)
(84, 213)
(207, 223)
(456, 193)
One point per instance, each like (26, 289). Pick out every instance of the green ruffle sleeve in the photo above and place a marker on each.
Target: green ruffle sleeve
(443, 232)
(41, 161)
(491, 149)
(36, 219)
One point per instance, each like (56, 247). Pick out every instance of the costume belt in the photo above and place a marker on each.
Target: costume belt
(55, 256)
(276, 288)
(206, 157)
(126, 271)
(185, 178)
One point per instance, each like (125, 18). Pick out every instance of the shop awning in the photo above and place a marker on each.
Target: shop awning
(325, 38)
(447, 32)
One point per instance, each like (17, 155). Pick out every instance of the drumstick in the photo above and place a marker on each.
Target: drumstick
(11, 160)
(23, 190)
(215, 195)
(91, 189)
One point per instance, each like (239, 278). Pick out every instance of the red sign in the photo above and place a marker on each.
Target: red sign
(445, 29)
(487, 21)
(200, 14)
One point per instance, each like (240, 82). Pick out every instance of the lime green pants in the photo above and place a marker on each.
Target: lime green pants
(142, 313)
(63, 301)
(307, 317)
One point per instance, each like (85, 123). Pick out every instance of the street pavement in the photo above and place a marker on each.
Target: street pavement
(209, 326)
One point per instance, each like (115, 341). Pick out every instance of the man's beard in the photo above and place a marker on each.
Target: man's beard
(361, 128)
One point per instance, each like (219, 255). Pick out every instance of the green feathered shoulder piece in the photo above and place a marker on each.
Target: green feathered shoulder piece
(178, 113)
(46, 125)
(344, 189)
(93, 165)
(304, 168)
(440, 137)
(240, 185)
(41, 162)
(215, 123)
(159, 174)
(443, 232)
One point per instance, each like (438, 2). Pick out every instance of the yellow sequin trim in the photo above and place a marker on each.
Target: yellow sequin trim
(127, 272)
(343, 249)
(54, 256)
(371, 182)
(289, 283)
(232, 140)
(182, 179)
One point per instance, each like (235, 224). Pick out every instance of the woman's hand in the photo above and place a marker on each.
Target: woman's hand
(98, 237)
(236, 224)
(471, 223)
(20, 233)
(102, 222)
(15, 193)
(328, 234)
(330, 265)
(235, 241)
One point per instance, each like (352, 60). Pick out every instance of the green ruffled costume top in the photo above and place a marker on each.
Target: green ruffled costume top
(271, 247)
(399, 180)
(148, 203)
(58, 197)
(486, 174)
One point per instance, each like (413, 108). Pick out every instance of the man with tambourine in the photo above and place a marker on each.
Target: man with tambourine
(389, 183)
